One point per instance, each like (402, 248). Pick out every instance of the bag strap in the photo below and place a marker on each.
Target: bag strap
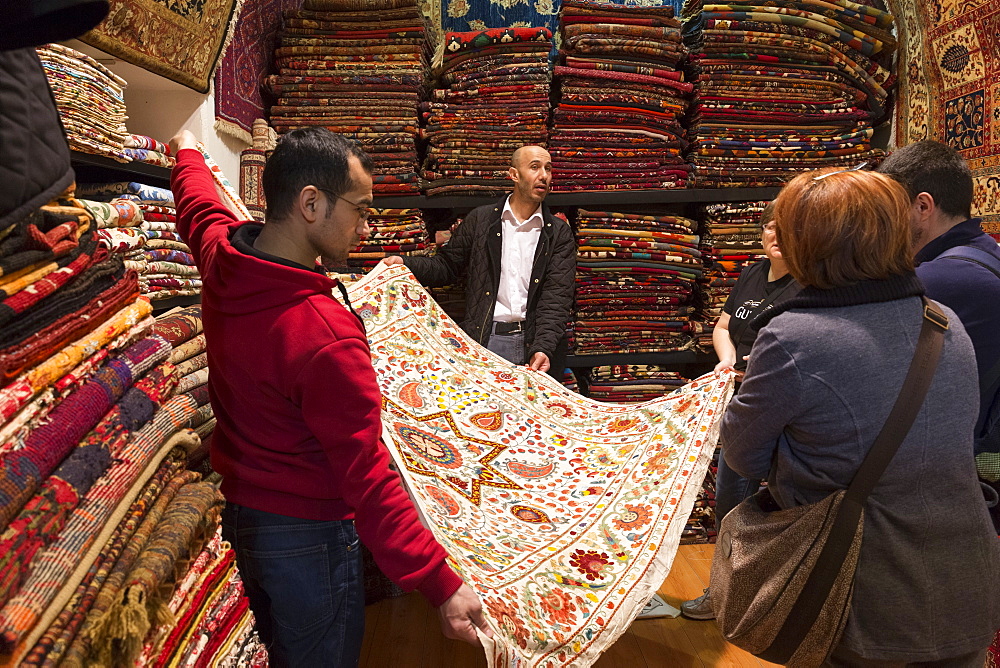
(973, 254)
(813, 596)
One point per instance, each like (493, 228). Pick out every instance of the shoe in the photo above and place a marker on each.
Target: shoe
(699, 608)
(656, 608)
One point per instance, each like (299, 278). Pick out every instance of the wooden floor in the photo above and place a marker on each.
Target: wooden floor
(405, 632)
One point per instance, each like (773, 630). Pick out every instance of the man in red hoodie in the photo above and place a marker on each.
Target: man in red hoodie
(298, 406)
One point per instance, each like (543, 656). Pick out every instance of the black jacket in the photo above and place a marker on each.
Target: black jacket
(476, 247)
(34, 156)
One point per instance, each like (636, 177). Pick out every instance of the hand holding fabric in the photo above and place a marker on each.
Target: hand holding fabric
(539, 362)
(183, 139)
(393, 259)
(461, 614)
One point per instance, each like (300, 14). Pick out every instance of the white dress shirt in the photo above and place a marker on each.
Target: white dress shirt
(520, 238)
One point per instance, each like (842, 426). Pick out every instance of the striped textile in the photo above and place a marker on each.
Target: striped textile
(64, 563)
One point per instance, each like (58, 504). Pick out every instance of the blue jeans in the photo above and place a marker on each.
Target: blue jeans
(305, 585)
(510, 347)
(730, 489)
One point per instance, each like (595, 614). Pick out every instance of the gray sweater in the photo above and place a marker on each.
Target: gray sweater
(819, 386)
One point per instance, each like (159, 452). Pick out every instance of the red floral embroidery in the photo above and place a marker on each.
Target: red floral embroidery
(503, 376)
(590, 564)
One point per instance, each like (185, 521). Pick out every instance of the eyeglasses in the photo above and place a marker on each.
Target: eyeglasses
(770, 227)
(841, 171)
(363, 211)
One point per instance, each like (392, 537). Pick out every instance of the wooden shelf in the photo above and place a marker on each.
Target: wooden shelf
(97, 168)
(606, 199)
(164, 305)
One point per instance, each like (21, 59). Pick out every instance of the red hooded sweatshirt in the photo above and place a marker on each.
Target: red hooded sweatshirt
(294, 392)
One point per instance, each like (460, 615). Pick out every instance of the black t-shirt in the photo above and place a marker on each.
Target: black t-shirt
(743, 304)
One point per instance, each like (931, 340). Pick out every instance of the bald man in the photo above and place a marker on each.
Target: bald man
(520, 262)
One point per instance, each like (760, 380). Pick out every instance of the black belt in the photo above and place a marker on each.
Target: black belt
(508, 328)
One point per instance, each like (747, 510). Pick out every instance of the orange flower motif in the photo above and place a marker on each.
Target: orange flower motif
(634, 517)
(509, 620)
(622, 424)
(560, 606)
(661, 462)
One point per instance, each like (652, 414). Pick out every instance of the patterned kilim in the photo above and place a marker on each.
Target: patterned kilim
(473, 15)
(252, 163)
(240, 77)
(564, 514)
(181, 41)
(950, 88)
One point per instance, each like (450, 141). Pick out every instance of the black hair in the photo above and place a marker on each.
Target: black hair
(936, 169)
(308, 156)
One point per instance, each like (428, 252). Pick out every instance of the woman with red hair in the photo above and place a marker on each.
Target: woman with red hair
(825, 370)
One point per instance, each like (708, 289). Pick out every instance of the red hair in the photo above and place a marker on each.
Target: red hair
(843, 228)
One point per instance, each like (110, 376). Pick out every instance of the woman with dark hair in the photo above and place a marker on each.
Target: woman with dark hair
(760, 287)
(826, 368)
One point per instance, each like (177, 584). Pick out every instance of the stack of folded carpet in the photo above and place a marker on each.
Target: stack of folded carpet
(165, 263)
(393, 232)
(786, 87)
(730, 242)
(570, 381)
(701, 526)
(635, 282)
(58, 283)
(89, 420)
(492, 98)
(356, 68)
(91, 101)
(140, 148)
(617, 125)
(632, 383)
(182, 328)
(118, 575)
(213, 617)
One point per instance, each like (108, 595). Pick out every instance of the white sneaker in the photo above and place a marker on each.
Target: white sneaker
(656, 608)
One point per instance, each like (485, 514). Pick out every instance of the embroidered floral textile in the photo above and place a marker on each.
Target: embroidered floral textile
(563, 513)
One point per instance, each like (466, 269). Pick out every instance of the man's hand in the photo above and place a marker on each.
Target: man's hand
(461, 614)
(539, 362)
(183, 139)
(393, 259)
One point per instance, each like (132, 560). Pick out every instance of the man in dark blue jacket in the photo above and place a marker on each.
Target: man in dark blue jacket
(955, 259)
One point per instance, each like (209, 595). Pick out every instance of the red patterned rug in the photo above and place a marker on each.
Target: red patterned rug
(249, 58)
(950, 87)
